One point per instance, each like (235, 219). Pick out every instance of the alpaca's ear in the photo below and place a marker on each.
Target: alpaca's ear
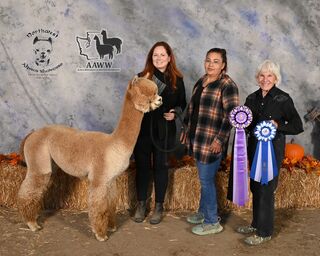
(133, 82)
(133, 90)
(134, 79)
(146, 75)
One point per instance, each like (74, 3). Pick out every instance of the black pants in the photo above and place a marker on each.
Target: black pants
(148, 159)
(263, 206)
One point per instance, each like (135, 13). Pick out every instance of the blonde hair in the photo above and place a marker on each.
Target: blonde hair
(272, 67)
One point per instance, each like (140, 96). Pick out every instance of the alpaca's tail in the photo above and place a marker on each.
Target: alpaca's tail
(21, 150)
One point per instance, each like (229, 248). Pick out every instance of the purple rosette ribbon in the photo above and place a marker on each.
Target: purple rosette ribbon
(264, 165)
(240, 117)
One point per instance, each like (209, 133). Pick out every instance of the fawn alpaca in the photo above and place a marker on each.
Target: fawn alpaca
(99, 156)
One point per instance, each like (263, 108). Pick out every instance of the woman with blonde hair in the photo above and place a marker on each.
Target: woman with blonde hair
(269, 104)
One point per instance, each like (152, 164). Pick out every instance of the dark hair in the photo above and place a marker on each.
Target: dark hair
(223, 54)
(171, 71)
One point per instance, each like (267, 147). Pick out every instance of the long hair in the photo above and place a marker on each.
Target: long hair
(223, 54)
(171, 71)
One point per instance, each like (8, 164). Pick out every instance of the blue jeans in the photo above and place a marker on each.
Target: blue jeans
(208, 200)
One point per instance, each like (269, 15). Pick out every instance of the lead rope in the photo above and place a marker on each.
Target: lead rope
(183, 131)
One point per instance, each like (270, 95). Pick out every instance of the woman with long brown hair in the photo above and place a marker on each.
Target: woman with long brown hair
(158, 129)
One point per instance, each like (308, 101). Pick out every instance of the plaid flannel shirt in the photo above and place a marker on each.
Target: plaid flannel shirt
(217, 100)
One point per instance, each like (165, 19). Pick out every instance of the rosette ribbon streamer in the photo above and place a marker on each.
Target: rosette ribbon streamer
(264, 167)
(240, 117)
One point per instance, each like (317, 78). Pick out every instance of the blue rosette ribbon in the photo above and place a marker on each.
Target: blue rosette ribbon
(240, 117)
(264, 166)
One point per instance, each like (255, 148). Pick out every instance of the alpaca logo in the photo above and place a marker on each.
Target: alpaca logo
(41, 60)
(99, 51)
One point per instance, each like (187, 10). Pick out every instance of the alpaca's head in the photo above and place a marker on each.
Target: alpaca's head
(144, 94)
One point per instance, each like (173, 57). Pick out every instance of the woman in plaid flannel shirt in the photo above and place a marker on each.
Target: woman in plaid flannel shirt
(214, 96)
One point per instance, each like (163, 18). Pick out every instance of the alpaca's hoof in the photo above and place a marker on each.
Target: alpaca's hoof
(34, 226)
(101, 238)
(112, 229)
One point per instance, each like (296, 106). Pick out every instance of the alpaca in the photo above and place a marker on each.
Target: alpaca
(114, 41)
(96, 155)
(103, 49)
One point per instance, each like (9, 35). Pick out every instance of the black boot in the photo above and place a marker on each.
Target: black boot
(140, 213)
(157, 214)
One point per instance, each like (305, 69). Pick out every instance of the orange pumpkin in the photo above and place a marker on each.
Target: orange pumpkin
(294, 151)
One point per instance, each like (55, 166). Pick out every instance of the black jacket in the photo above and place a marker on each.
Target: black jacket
(277, 105)
(171, 99)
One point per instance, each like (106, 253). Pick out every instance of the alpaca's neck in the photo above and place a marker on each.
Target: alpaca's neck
(128, 128)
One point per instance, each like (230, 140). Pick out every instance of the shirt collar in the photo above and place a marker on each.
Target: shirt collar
(271, 93)
(222, 75)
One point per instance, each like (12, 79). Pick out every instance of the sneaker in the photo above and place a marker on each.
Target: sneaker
(206, 229)
(255, 240)
(196, 218)
(246, 229)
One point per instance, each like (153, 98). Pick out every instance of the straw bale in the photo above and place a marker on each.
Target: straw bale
(183, 189)
(295, 190)
(298, 189)
(11, 178)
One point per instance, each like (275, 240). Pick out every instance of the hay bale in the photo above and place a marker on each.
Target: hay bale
(11, 178)
(64, 191)
(295, 190)
(183, 189)
(298, 189)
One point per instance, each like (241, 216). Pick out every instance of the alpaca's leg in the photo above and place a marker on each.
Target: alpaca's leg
(112, 203)
(36, 181)
(29, 198)
(98, 206)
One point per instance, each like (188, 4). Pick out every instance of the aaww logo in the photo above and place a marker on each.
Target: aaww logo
(99, 50)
